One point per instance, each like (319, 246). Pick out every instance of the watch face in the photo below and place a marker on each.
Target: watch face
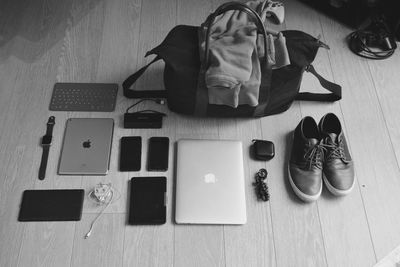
(46, 140)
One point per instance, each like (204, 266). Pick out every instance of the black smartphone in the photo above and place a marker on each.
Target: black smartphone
(158, 154)
(148, 200)
(131, 153)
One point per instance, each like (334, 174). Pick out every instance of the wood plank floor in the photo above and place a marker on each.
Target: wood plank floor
(43, 42)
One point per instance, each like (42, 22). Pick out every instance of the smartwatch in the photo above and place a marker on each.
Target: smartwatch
(46, 143)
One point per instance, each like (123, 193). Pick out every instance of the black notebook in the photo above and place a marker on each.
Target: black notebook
(51, 205)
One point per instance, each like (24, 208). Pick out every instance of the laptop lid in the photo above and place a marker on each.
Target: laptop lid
(210, 182)
(86, 147)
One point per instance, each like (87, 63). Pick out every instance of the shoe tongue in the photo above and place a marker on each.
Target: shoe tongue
(333, 137)
(312, 141)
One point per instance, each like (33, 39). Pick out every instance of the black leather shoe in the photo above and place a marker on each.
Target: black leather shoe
(338, 167)
(305, 166)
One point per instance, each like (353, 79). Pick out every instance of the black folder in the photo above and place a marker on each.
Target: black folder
(51, 205)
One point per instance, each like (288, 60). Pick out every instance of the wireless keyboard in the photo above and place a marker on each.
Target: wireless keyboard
(84, 97)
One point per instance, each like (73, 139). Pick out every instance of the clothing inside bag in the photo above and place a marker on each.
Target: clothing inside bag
(233, 76)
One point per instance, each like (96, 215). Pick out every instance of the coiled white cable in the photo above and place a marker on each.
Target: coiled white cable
(102, 194)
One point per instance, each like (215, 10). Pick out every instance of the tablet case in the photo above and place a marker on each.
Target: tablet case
(51, 205)
(148, 200)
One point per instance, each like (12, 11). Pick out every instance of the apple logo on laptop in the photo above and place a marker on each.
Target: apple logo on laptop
(210, 178)
(86, 144)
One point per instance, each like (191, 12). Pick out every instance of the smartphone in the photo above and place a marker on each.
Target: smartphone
(131, 153)
(158, 154)
(148, 200)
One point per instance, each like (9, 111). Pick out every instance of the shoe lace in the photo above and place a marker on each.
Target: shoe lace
(314, 156)
(335, 149)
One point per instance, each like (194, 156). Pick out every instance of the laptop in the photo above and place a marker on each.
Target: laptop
(210, 182)
(87, 146)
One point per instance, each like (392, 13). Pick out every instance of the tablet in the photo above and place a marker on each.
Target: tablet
(51, 205)
(148, 200)
(87, 146)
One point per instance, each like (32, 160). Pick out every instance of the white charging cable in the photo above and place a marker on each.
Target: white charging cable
(102, 195)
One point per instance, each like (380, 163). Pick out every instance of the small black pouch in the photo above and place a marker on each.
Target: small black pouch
(263, 150)
(143, 120)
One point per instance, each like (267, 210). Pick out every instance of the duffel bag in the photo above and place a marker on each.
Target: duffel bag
(185, 88)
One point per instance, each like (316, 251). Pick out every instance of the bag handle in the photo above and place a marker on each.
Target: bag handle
(143, 93)
(234, 6)
(335, 89)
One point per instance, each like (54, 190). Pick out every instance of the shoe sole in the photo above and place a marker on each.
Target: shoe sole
(335, 191)
(301, 195)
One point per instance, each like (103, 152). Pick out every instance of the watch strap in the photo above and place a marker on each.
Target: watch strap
(43, 162)
(50, 125)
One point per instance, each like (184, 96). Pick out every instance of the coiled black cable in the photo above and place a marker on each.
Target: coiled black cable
(261, 187)
(358, 45)
(374, 41)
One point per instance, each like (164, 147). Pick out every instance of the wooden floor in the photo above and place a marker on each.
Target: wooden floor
(43, 42)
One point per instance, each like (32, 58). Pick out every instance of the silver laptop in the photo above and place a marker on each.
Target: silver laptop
(87, 146)
(210, 182)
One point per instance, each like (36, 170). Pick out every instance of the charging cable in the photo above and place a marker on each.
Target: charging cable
(102, 195)
(158, 101)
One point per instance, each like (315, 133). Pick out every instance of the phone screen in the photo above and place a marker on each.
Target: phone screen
(158, 154)
(131, 153)
(147, 200)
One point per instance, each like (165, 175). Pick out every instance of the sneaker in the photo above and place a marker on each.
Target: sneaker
(305, 166)
(338, 167)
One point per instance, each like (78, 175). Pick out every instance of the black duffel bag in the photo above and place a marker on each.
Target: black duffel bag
(185, 88)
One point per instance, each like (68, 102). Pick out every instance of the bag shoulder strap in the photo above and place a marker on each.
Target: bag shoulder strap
(129, 93)
(335, 89)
